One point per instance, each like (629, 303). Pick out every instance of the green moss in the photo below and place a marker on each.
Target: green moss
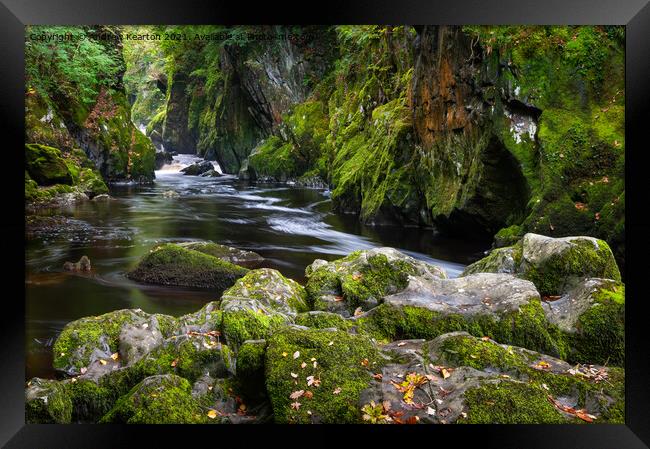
(46, 402)
(338, 365)
(91, 183)
(170, 264)
(526, 327)
(509, 403)
(323, 320)
(600, 334)
(157, 400)
(250, 368)
(241, 325)
(90, 401)
(508, 236)
(46, 165)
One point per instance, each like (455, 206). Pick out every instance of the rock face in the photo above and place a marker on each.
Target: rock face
(553, 265)
(198, 168)
(170, 264)
(68, 114)
(248, 259)
(362, 279)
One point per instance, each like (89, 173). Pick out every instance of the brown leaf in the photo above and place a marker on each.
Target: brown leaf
(365, 362)
(337, 390)
(295, 405)
(378, 376)
(296, 394)
(309, 394)
(580, 206)
(358, 311)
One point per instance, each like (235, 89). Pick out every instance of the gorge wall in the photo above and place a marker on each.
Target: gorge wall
(475, 131)
(75, 100)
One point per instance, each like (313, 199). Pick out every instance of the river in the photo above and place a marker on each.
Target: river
(288, 225)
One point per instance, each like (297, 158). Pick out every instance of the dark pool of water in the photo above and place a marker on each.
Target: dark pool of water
(289, 226)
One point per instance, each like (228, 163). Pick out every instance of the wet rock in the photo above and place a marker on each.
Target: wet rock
(136, 341)
(171, 194)
(198, 168)
(362, 279)
(248, 259)
(259, 303)
(102, 197)
(82, 265)
(162, 158)
(211, 174)
(171, 264)
(553, 265)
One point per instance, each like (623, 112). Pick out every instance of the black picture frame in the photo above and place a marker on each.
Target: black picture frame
(635, 14)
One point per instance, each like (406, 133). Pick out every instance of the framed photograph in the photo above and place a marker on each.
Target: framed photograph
(393, 218)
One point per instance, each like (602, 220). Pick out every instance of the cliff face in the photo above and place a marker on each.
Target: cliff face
(70, 105)
(227, 111)
(477, 131)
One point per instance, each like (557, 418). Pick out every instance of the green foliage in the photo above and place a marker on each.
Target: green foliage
(76, 67)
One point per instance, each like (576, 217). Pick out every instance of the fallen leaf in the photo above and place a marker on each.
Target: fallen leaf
(338, 298)
(296, 354)
(597, 216)
(174, 362)
(431, 411)
(358, 311)
(296, 394)
(401, 343)
(284, 354)
(445, 373)
(542, 365)
(83, 370)
(294, 375)
(145, 325)
(313, 359)
(315, 364)
(311, 380)
(365, 362)
(337, 390)
(580, 206)
(309, 394)
(295, 405)
(330, 343)
(378, 376)
(303, 365)
(102, 361)
(212, 414)
(115, 356)
(485, 338)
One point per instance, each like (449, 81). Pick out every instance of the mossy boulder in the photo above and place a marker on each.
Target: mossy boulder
(501, 306)
(597, 390)
(164, 399)
(171, 264)
(553, 265)
(259, 302)
(207, 319)
(592, 316)
(362, 279)
(91, 342)
(337, 367)
(459, 378)
(250, 368)
(248, 259)
(46, 401)
(46, 165)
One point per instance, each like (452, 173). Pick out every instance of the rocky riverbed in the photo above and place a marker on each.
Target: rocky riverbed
(374, 337)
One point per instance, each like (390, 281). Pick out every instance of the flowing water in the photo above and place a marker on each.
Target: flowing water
(289, 226)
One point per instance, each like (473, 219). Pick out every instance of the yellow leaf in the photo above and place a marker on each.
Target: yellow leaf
(115, 356)
(102, 361)
(212, 414)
